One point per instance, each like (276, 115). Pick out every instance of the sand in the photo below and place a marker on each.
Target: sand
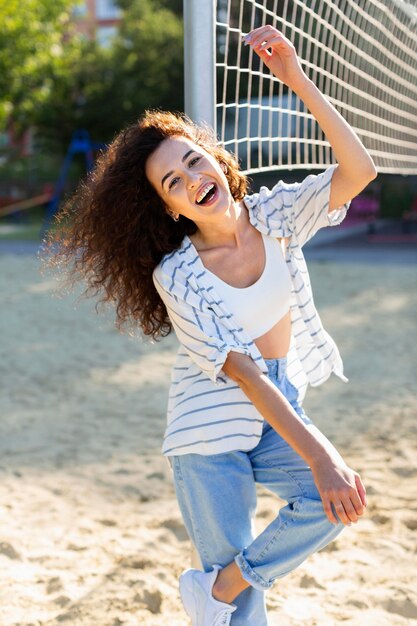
(90, 531)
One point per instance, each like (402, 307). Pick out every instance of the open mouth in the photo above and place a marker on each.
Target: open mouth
(206, 194)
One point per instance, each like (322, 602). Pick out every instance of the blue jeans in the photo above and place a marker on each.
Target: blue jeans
(217, 498)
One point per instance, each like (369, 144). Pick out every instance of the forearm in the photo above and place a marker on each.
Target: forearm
(340, 488)
(279, 55)
(306, 440)
(351, 155)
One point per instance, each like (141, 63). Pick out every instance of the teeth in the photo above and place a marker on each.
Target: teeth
(204, 192)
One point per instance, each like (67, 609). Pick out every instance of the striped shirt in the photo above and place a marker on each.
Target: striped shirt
(208, 413)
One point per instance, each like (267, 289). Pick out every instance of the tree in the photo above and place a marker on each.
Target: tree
(77, 84)
(149, 57)
(55, 80)
(31, 39)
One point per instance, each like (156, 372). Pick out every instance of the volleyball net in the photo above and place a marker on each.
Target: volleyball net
(362, 54)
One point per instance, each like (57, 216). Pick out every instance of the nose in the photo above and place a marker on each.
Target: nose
(193, 179)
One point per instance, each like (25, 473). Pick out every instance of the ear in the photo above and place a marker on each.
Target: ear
(175, 216)
(223, 166)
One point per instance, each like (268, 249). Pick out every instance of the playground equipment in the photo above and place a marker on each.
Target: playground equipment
(80, 144)
(23, 205)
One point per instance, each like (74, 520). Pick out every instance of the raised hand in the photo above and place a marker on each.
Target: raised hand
(278, 54)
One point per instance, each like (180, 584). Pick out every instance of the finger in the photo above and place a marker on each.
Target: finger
(255, 41)
(341, 513)
(267, 49)
(357, 503)
(265, 55)
(270, 42)
(328, 509)
(350, 510)
(361, 489)
(263, 42)
(258, 36)
(261, 30)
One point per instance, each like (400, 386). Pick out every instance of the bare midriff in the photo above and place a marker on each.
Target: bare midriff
(275, 343)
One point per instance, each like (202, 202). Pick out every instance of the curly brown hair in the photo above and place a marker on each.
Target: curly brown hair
(115, 229)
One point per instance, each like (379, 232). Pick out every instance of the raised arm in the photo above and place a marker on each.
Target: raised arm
(355, 166)
(338, 484)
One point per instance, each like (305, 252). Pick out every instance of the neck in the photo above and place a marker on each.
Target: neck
(226, 231)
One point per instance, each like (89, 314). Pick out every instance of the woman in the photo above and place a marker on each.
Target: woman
(165, 229)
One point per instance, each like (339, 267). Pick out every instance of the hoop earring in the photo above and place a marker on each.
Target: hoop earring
(175, 217)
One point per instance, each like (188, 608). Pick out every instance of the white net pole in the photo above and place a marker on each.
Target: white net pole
(362, 54)
(199, 60)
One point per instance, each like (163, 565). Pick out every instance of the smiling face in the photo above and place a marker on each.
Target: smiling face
(189, 180)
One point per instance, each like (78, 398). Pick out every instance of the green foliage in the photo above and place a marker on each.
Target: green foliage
(30, 173)
(58, 81)
(31, 40)
(149, 58)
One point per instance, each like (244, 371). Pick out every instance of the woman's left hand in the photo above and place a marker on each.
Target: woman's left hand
(278, 54)
(341, 489)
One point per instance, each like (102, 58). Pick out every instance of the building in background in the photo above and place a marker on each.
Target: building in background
(97, 19)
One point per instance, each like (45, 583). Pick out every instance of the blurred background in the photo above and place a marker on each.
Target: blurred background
(67, 66)
(72, 74)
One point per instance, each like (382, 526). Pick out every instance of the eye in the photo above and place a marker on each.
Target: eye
(194, 160)
(173, 182)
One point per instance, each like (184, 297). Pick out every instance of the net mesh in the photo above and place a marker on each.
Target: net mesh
(361, 54)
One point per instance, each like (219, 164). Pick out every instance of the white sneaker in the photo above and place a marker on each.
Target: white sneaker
(196, 595)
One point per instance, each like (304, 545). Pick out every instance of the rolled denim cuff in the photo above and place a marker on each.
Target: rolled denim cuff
(256, 581)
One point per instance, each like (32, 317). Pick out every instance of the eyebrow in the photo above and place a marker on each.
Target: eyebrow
(187, 154)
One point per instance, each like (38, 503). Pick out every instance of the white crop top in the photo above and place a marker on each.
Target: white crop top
(260, 306)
